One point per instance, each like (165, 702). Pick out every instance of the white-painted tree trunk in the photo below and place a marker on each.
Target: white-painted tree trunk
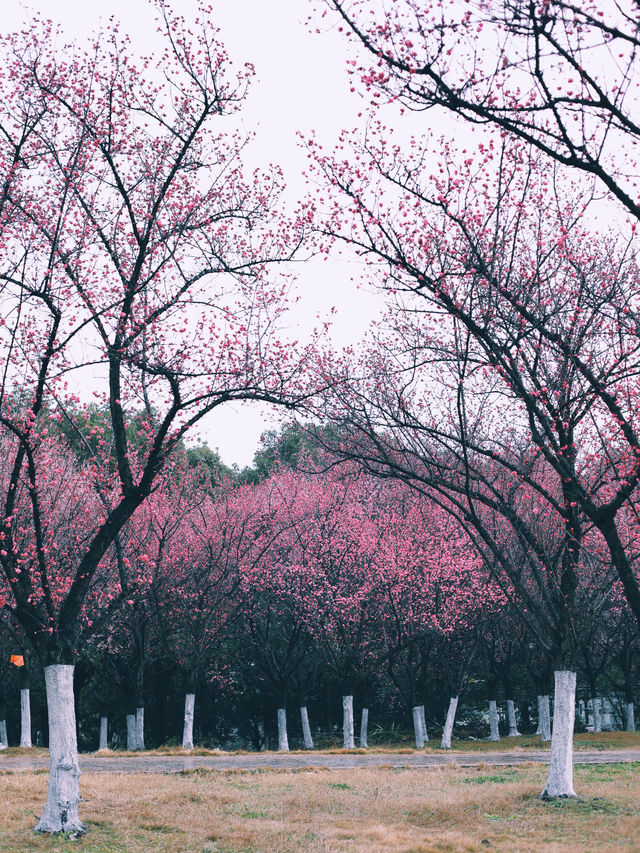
(445, 743)
(132, 734)
(25, 717)
(104, 741)
(425, 733)
(306, 728)
(560, 778)
(417, 727)
(4, 740)
(630, 718)
(597, 717)
(364, 729)
(140, 728)
(511, 718)
(187, 732)
(348, 736)
(283, 740)
(544, 718)
(494, 731)
(61, 808)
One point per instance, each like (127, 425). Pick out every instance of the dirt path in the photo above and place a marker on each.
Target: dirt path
(177, 763)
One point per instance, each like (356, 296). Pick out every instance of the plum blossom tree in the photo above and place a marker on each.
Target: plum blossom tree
(134, 260)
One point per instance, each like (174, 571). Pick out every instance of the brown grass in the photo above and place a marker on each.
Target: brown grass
(330, 811)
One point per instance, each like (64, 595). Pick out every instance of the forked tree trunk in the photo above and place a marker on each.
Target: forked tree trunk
(425, 733)
(560, 778)
(445, 743)
(348, 736)
(283, 740)
(61, 808)
(104, 742)
(187, 732)
(25, 717)
(544, 718)
(140, 728)
(132, 734)
(364, 729)
(306, 728)
(597, 717)
(4, 742)
(417, 727)
(630, 721)
(511, 718)
(494, 730)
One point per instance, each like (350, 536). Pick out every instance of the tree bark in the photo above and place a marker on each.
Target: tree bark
(283, 740)
(104, 742)
(630, 721)
(132, 735)
(544, 718)
(423, 719)
(25, 717)
(511, 717)
(187, 732)
(364, 729)
(597, 717)
(61, 808)
(494, 730)
(4, 742)
(417, 727)
(448, 725)
(560, 778)
(306, 728)
(139, 728)
(348, 737)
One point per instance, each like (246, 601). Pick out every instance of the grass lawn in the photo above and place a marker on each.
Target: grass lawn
(355, 811)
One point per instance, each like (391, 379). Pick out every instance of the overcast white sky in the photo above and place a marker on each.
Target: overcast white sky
(301, 84)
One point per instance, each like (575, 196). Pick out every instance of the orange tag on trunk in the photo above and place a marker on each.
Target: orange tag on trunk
(17, 660)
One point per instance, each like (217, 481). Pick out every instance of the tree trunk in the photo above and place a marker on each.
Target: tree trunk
(61, 808)
(104, 743)
(544, 718)
(417, 727)
(306, 728)
(423, 719)
(187, 732)
(348, 736)
(132, 735)
(597, 718)
(4, 742)
(283, 740)
(364, 729)
(25, 717)
(139, 728)
(494, 730)
(511, 717)
(560, 778)
(448, 725)
(630, 721)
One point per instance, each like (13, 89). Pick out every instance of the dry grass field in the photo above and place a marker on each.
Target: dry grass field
(355, 811)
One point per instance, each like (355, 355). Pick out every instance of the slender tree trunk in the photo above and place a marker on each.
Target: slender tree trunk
(417, 727)
(630, 718)
(283, 740)
(4, 742)
(597, 717)
(448, 724)
(423, 719)
(306, 728)
(25, 717)
(544, 718)
(364, 729)
(348, 736)
(104, 742)
(61, 808)
(511, 717)
(132, 734)
(494, 730)
(139, 728)
(560, 778)
(187, 732)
